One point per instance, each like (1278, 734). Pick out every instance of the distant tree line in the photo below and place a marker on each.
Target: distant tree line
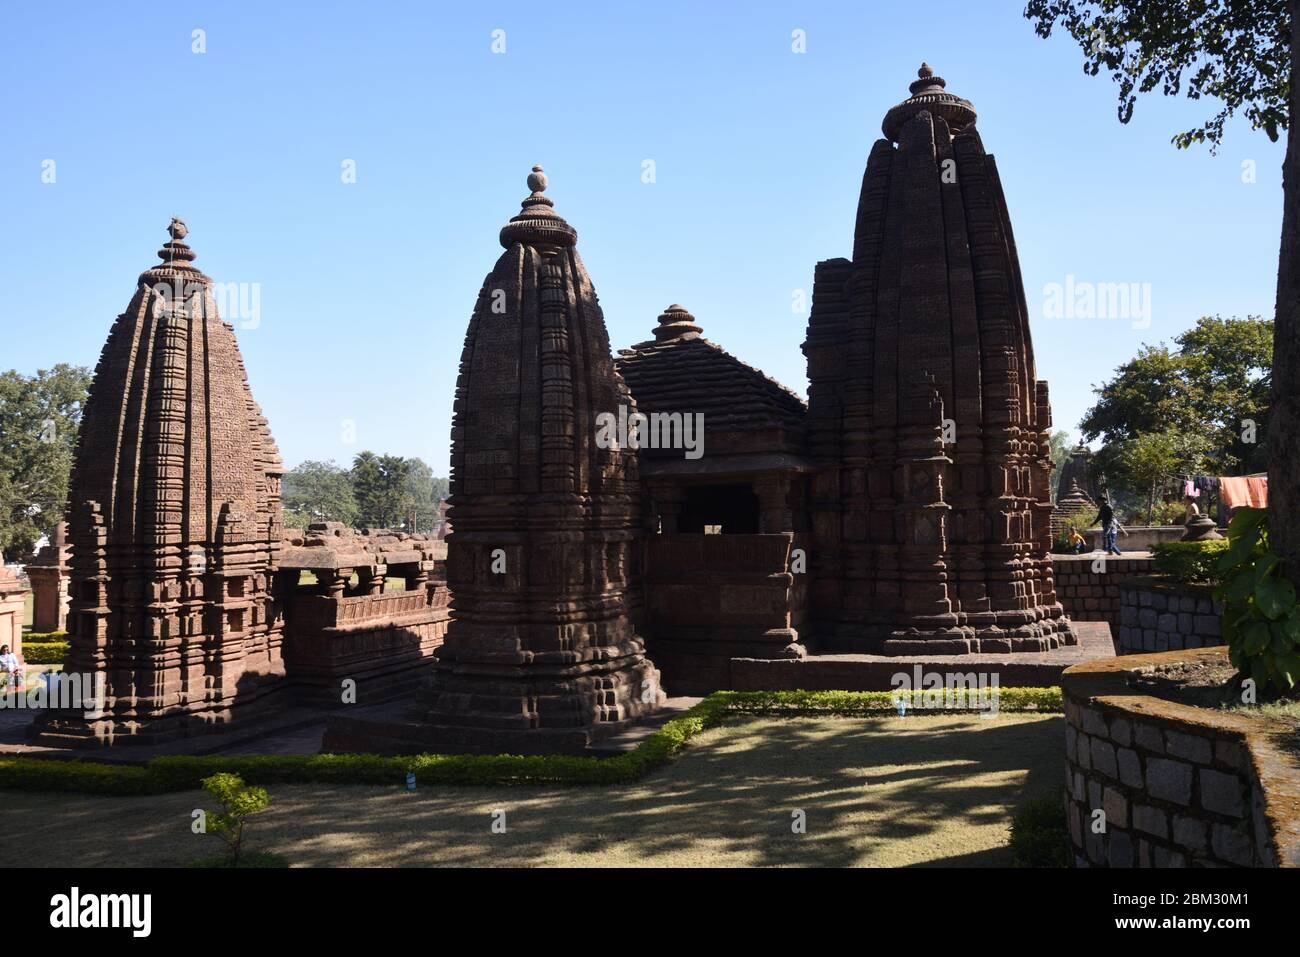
(378, 491)
(1199, 408)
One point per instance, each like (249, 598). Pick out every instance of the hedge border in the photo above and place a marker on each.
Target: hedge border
(45, 652)
(184, 772)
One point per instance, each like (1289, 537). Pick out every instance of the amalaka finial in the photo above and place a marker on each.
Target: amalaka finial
(177, 228)
(928, 94)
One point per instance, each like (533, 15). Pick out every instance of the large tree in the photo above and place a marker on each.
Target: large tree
(1215, 385)
(380, 485)
(1242, 53)
(39, 419)
(319, 492)
(424, 492)
(1284, 449)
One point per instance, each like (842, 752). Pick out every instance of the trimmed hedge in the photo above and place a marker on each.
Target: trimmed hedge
(1190, 561)
(185, 772)
(45, 636)
(45, 652)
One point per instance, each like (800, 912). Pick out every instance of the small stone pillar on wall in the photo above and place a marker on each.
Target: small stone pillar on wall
(48, 573)
(13, 594)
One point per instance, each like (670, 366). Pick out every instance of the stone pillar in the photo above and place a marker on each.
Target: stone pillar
(668, 501)
(775, 514)
(48, 574)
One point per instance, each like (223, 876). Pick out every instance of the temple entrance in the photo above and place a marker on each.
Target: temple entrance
(719, 509)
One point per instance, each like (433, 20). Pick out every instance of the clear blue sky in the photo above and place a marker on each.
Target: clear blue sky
(366, 289)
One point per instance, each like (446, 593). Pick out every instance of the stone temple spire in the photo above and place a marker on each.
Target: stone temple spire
(932, 514)
(174, 522)
(541, 653)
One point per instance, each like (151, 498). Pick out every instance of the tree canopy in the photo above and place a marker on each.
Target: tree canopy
(378, 491)
(40, 417)
(1215, 384)
(1234, 51)
(319, 492)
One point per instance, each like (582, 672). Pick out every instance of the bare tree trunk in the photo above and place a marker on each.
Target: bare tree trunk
(1284, 412)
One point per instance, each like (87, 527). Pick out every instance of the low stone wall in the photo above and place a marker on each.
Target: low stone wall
(383, 642)
(1089, 588)
(1152, 783)
(1157, 614)
(1140, 538)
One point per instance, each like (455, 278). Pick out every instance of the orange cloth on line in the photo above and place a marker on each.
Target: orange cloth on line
(1258, 492)
(1239, 490)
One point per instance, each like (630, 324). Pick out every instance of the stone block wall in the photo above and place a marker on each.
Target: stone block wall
(1092, 595)
(1160, 615)
(1176, 786)
(712, 598)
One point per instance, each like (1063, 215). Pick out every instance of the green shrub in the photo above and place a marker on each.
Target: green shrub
(238, 801)
(45, 652)
(45, 636)
(1261, 617)
(187, 772)
(1039, 833)
(1189, 561)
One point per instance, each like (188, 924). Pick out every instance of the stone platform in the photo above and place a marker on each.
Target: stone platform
(298, 731)
(873, 672)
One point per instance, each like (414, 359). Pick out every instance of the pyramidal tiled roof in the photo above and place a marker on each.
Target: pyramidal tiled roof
(681, 371)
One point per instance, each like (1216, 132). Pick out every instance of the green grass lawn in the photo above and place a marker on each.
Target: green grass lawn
(880, 791)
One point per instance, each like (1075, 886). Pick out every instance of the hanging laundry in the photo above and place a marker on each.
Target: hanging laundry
(1241, 491)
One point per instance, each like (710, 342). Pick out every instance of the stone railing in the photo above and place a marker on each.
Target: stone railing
(1154, 783)
(1158, 614)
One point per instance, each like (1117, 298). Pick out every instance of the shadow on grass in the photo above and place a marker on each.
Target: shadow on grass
(873, 791)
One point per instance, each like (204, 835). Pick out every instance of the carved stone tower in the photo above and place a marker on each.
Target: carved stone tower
(175, 523)
(541, 653)
(931, 510)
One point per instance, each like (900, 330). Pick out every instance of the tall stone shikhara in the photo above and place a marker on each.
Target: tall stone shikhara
(541, 653)
(175, 522)
(932, 510)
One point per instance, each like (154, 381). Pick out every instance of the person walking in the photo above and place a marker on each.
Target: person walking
(1110, 528)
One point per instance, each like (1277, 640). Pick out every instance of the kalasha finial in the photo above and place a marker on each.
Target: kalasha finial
(925, 72)
(538, 224)
(537, 180)
(175, 252)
